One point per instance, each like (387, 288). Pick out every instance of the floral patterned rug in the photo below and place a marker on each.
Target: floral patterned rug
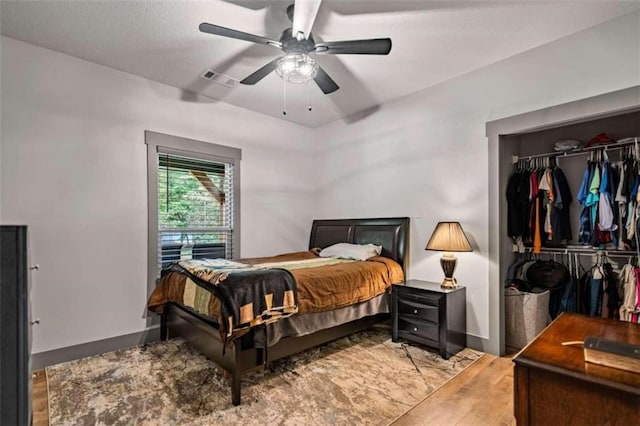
(362, 379)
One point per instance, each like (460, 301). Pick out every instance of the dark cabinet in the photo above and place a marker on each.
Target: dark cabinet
(424, 313)
(15, 345)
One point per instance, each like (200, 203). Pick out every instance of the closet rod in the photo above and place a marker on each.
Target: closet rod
(582, 151)
(585, 251)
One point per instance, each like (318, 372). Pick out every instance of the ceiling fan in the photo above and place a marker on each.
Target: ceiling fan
(296, 66)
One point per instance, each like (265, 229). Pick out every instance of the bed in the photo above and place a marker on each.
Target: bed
(299, 331)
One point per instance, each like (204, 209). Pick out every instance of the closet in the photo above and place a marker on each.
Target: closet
(569, 238)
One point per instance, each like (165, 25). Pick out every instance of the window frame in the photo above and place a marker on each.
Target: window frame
(163, 143)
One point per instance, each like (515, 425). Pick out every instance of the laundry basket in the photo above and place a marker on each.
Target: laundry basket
(526, 315)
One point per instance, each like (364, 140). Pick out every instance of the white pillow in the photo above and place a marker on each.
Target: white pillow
(351, 251)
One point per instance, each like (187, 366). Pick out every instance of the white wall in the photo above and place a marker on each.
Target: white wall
(426, 155)
(74, 170)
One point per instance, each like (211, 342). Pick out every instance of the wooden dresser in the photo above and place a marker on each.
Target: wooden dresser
(554, 385)
(15, 335)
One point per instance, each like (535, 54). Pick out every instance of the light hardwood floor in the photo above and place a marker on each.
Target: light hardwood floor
(480, 395)
(39, 402)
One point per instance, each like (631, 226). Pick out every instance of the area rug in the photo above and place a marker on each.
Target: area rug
(362, 379)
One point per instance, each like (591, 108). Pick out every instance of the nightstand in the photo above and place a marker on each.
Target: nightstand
(423, 312)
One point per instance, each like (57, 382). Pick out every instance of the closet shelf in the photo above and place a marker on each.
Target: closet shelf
(581, 151)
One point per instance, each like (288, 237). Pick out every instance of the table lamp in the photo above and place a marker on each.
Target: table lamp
(448, 237)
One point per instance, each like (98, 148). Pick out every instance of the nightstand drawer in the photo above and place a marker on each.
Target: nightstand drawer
(424, 298)
(423, 329)
(409, 308)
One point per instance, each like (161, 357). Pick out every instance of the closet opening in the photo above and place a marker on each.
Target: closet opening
(545, 162)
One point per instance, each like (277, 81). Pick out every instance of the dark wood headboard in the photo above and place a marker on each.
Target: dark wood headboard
(390, 233)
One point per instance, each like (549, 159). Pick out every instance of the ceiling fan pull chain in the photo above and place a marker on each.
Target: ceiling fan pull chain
(309, 92)
(284, 97)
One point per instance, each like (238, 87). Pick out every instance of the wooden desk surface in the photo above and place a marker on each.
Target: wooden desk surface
(546, 352)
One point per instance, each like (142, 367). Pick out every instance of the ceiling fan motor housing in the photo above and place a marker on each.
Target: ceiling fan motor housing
(290, 44)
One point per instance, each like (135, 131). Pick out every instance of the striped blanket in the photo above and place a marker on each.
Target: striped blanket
(250, 295)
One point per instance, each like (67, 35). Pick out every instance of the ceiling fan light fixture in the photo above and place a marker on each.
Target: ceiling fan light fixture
(297, 68)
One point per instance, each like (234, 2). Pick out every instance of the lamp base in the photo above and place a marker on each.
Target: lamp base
(448, 262)
(449, 283)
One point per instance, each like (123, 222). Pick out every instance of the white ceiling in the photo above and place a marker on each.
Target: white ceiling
(433, 41)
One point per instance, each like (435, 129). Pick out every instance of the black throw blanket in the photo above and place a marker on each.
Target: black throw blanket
(250, 295)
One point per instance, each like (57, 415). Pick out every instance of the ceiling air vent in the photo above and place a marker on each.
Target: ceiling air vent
(219, 78)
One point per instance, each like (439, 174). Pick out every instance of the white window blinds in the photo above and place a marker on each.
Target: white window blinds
(195, 208)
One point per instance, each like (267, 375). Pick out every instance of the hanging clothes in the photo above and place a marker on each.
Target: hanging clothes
(599, 295)
(592, 202)
(628, 287)
(604, 228)
(604, 205)
(635, 315)
(610, 296)
(517, 204)
(537, 237)
(538, 198)
(538, 208)
(547, 196)
(561, 218)
(584, 234)
(621, 202)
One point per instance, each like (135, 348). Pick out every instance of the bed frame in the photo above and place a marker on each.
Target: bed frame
(240, 356)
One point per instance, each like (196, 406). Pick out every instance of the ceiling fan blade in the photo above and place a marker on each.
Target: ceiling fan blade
(261, 73)
(304, 15)
(374, 46)
(326, 83)
(228, 32)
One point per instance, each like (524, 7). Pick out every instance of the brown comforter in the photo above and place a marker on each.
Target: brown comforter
(322, 284)
(324, 288)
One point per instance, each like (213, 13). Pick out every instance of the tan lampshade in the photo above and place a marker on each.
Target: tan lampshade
(448, 236)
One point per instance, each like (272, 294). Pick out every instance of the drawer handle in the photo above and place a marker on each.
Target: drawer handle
(415, 311)
(415, 329)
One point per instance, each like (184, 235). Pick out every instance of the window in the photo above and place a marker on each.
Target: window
(195, 209)
(193, 200)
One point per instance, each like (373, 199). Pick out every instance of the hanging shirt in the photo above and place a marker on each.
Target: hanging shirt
(537, 238)
(631, 219)
(594, 187)
(630, 177)
(532, 213)
(635, 314)
(634, 190)
(581, 196)
(594, 196)
(605, 210)
(517, 213)
(628, 285)
(621, 201)
(561, 219)
(620, 198)
(585, 231)
(546, 185)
